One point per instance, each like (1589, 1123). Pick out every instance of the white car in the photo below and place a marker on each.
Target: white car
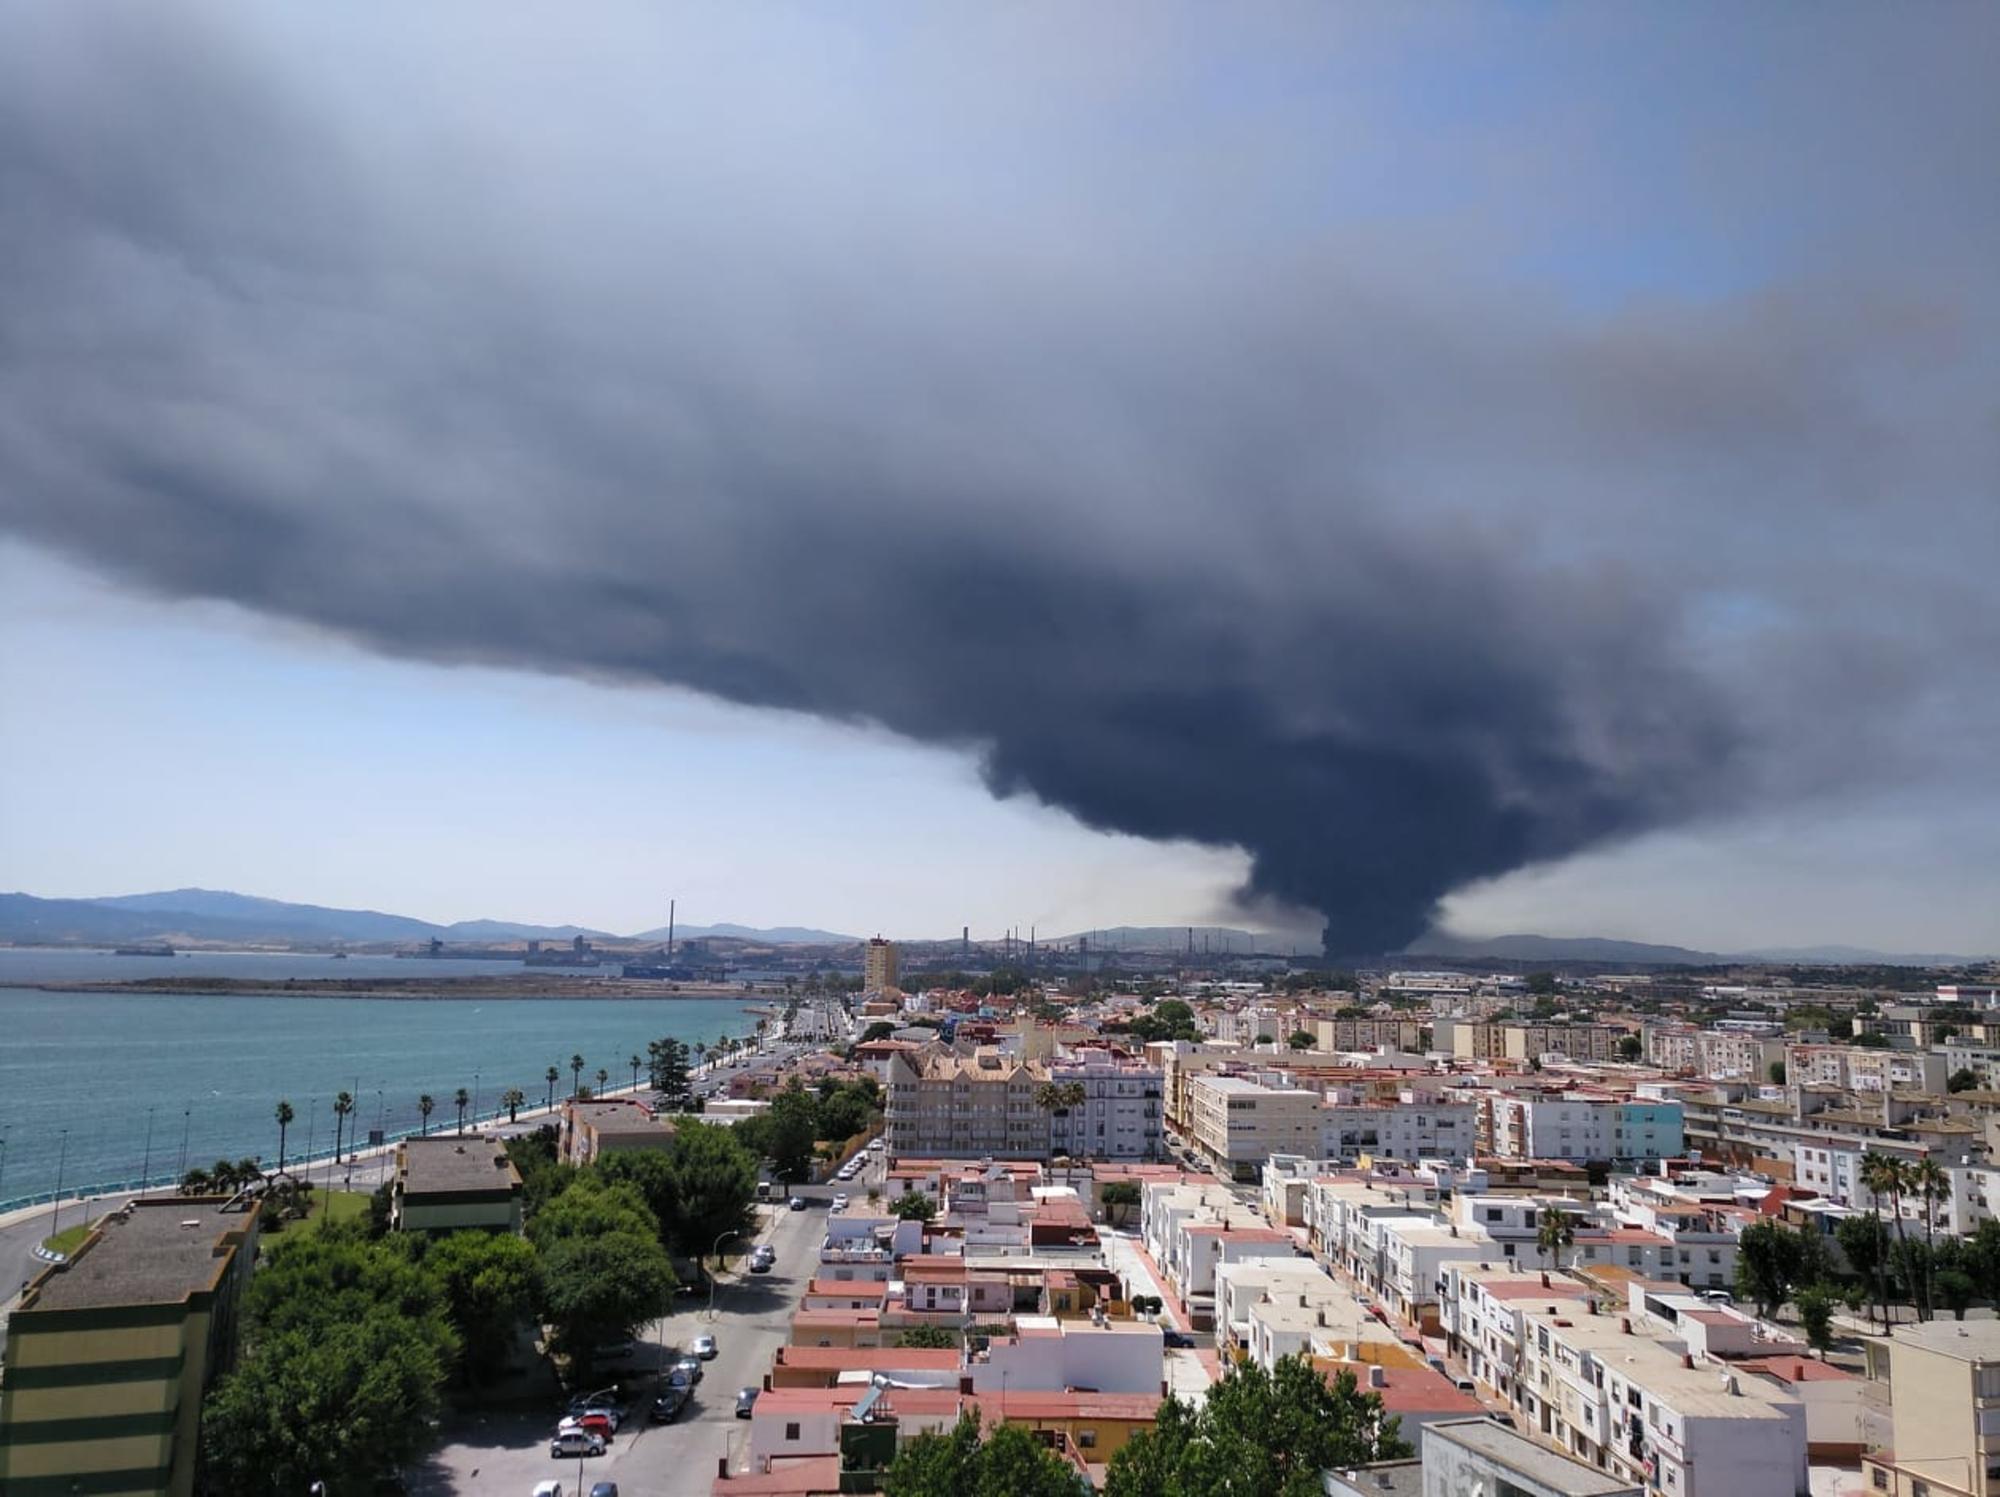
(703, 1347)
(840, 1202)
(575, 1442)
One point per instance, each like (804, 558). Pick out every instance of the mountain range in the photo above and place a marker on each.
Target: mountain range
(215, 916)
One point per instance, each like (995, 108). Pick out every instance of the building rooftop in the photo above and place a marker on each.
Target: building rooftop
(434, 1165)
(1973, 1340)
(158, 1253)
(1525, 1458)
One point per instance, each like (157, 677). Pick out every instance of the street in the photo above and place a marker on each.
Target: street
(507, 1452)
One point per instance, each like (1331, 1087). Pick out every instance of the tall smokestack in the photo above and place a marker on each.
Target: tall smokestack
(670, 930)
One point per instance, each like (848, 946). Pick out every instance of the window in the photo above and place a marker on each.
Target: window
(1881, 1479)
(1086, 1439)
(791, 1432)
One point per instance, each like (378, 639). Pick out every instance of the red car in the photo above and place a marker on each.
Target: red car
(592, 1423)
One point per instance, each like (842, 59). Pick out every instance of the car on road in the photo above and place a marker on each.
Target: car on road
(688, 1369)
(673, 1398)
(575, 1442)
(1178, 1339)
(703, 1347)
(604, 1489)
(596, 1422)
(840, 1201)
(797, 1203)
(746, 1400)
(762, 1262)
(548, 1489)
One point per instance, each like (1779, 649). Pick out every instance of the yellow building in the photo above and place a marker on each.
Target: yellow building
(108, 1354)
(881, 973)
(455, 1185)
(1944, 1380)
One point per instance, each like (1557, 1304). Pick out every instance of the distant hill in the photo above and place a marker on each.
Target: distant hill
(1175, 938)
(513, 930)
(1526, 948)
(307, 920)
(771, 935)
(1859, 956)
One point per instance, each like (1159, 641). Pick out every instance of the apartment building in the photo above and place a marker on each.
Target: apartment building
(455, 1185)
(1407, 1129)
(1410, 1253)
(1238, 1123)
(1481, 1308)
(107, 1355)
(1945, 1376)
(1119, 1117)
(1613, 1393)
(1672, 1047)
(940, 1103)
(1365, 1034)
(1861, 1068)
(1573, 1126)
(1339, 1208)
(881, 964)
(592, 1127)
(1477, 1455)
(1522, 1041)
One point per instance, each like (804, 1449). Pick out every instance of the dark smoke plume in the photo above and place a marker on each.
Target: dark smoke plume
(1395, 575)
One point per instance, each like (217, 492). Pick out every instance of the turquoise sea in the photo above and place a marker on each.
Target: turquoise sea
(87, 1078)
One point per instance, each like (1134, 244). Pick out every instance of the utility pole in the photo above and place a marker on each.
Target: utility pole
(61, 1161)
(146, 1169)
(187, 1126)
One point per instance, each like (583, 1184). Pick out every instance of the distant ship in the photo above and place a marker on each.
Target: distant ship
(160, 950)
(338, 956)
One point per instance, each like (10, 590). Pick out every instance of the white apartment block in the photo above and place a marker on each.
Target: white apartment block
(1861, 1068)
(1609, 1392)
(1481, 1309)
(1409, 1129)
(1414, 1250)
(1120, 1117)
(1568, 1126)
(945, 1105)
(1672, 1047)
(1238, 1124)
(1338, 1212)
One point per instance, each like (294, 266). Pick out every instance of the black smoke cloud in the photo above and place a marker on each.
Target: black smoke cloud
(677, 356)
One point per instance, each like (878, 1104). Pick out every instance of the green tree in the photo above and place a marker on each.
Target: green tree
(1864, 1242)
(715, 1184)
(913, 1206)
(1119, 1197)
(461, 1099)
(1772, 1260)
(634, 1062)
(1555, 1234)
(1928, 1179)
(604, 1272)
(933, 1337)
(491, 1282)
(284, 1116)
(576, 1074)
(603, 1080)
(1964, 1079)
(1630, 1047)
(1543, 984)
(426, 1105)
(1258, 1434)
(1008, 1463)
(1816, 1314)
(1776, 1071)
(513, 1099)
(881, 1029)
(667, 1069)
(552, 1076)
(1059, 1097)
(793, 1127)
(1884, 1177)
(1955, 1288)
(1300, 1040)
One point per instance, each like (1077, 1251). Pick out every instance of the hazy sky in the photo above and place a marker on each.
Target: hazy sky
(884, 467)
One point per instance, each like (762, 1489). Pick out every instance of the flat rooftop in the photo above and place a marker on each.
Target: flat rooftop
(1525, 1458)
(163, 1252)
(434, 1165)
(1974, 1340)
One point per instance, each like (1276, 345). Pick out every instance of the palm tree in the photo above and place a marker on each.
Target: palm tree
(343, 1106)
(602, 1077)
(424, 1106)
(552, 1078)
(1060, 1096)
(512, 1099)
(1556, 1232)
(634, 1064)
(285, 1116)
(700, 1054)
(1884, 1176)
(1929, 1178)
(196, 1182)
(461, 1099)
(576, 1074)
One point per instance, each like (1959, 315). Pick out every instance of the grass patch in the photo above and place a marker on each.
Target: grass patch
(68, 1240)
(332, 1205)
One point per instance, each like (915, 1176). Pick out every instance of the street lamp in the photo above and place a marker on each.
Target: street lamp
(475, 1099)
(187, 1126)
(146, 1168)
(63, 1159)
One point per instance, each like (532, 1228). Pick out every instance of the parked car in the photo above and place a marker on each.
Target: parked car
(548, 1489)
(840, 1201)
(673, 1398)
(575, 1442)
(765, 1251)
(760, 1265)
(703, 1347)
(604, 1489)
(689, 1368)
(1174, 1338)
(595, 1422)
(746, 1400)
(797, 1203)
(615, 1351)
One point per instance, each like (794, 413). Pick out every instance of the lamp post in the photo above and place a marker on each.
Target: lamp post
(475, 1101)
(187, 1127)
(61, 1160)
(146, 1169)
(716, 1253)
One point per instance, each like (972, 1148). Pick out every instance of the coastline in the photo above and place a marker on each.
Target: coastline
(414, 989)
